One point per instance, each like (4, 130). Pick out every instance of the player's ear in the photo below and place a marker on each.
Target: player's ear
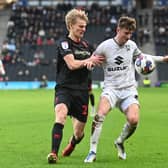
(70, 26)
(117, 29)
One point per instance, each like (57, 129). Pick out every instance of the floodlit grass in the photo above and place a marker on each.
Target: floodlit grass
(26, 119)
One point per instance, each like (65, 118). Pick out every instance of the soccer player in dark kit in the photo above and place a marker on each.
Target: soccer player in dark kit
(74, 61)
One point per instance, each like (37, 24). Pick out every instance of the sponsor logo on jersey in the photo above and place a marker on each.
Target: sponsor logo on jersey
(119, 60)
(117, 68)
(82, 54)
(64, 45)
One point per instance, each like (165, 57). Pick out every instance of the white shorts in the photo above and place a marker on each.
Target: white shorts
(121, 98)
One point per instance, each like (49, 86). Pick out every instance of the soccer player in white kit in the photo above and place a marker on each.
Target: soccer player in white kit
(120, 88)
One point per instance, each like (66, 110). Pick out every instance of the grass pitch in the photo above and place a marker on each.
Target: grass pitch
(26, 119)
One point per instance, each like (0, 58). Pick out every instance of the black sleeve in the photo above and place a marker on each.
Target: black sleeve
(64, 48)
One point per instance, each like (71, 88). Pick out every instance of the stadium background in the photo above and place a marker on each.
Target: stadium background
(26, 116)
(29, 30)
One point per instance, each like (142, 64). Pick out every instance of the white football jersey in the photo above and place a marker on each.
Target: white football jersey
(119, 71)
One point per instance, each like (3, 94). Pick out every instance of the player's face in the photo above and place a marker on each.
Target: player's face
(78, 29)
(124, 35)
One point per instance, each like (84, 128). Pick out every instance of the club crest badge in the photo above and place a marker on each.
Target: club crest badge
(127, 47)
(65, 45)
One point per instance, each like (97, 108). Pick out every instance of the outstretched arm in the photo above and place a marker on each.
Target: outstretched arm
(159, 58)
(95, 60)
(165, 58)
(73, 63)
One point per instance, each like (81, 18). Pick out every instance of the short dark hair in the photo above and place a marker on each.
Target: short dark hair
(127, 22)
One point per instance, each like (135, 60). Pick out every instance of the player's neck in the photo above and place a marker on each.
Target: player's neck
(118, 41)
(74, 38)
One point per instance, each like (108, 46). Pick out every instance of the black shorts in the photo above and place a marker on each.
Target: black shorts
(76, 101)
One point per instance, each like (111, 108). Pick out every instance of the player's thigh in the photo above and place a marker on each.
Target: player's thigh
(79, 105)
(104, 106)
(62, 105)
(107, 101)
(61, 112)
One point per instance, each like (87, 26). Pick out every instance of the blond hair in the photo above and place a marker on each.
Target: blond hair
(127, 22)
(72, 16)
